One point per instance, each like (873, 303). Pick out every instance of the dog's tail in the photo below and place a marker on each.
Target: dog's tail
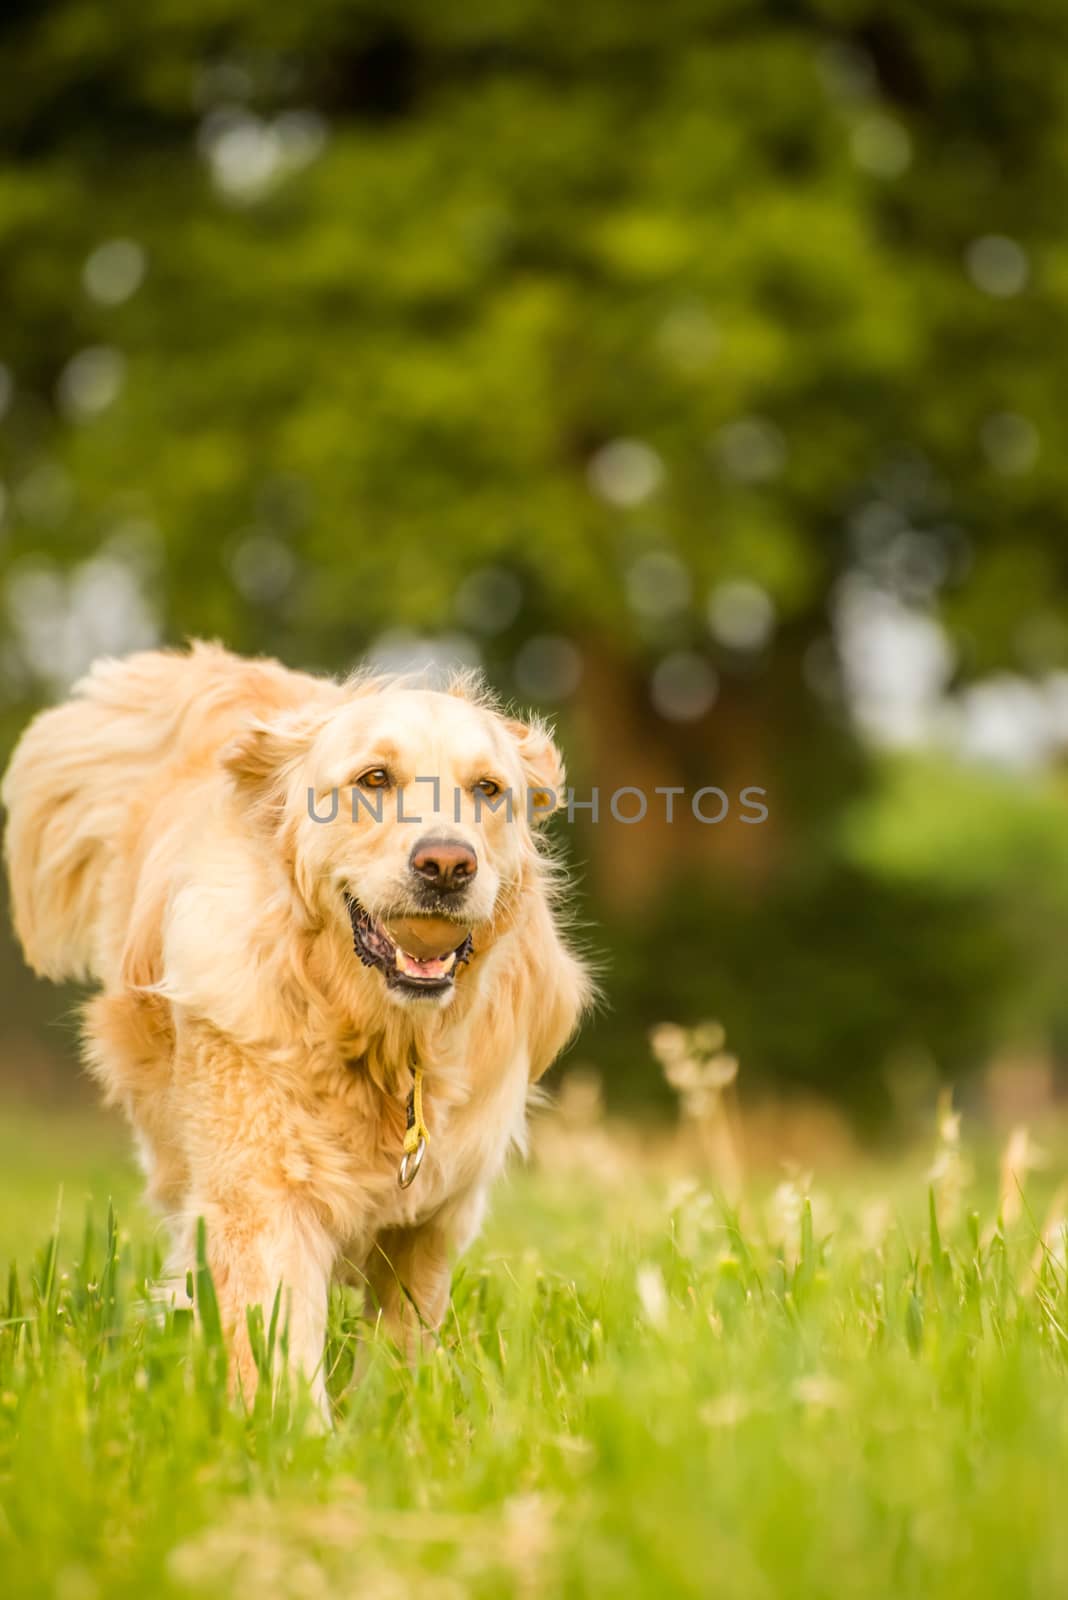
(67, 791)
(77, 778)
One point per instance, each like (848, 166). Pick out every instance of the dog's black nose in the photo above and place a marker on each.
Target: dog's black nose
(447, 865)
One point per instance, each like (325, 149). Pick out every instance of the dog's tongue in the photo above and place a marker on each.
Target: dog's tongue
(425, 941)
(436, 967)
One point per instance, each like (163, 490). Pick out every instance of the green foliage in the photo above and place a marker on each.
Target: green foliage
(519, 240)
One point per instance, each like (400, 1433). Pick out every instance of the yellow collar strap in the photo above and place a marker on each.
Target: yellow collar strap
(416, 1134)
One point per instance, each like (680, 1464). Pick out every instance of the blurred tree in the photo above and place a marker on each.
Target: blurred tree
(605, 345)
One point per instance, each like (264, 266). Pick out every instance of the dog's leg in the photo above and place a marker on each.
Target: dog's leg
(258, 1244)
(128, 1042)
(408, 1275)
(409, 1270)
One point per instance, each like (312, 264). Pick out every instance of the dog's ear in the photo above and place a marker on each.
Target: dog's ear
(260, 757)
(543, 767)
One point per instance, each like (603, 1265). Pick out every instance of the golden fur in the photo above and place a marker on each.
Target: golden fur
(159, 844)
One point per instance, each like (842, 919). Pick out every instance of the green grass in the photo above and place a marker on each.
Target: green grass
(636, 1393)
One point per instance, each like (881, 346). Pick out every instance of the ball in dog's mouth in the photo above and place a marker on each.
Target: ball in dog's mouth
(421, 955)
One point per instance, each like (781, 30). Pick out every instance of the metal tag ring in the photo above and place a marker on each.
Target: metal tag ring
(411, 1161)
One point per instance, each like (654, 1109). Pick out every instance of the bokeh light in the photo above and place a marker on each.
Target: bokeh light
(881, 146)
(90, 382)
(750, 450)
(114, 271)
(1010, 442)
(263, 568)
(658, 586)
(741, 614)
(625, 472)
(548, 667)
(488, 600)
(683, 686)
(997, 265)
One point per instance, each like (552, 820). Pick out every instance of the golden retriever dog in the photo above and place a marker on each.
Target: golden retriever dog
(322, 928)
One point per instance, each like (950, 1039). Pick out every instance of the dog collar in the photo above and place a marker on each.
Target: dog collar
(416, 1134)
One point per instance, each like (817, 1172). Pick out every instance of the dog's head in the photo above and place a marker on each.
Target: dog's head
(407, 818)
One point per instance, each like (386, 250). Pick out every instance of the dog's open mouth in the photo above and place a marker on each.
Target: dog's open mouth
(429, 969)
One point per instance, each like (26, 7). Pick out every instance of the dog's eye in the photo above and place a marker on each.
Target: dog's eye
(488, 787)
(373, 778)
